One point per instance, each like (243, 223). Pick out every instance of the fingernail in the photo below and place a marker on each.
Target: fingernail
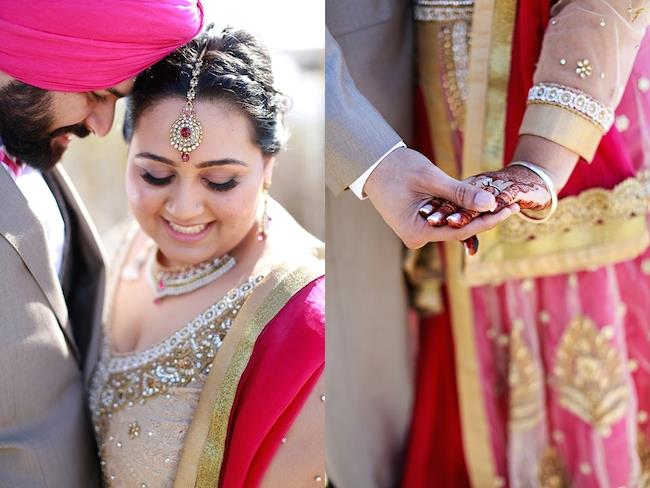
(484, 200)
(455, 218)
(471, 246)
(425, 210)
(435, 218)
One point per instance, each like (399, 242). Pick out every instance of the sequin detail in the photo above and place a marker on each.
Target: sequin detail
(573, 100)
(186, 355)
(443, 10)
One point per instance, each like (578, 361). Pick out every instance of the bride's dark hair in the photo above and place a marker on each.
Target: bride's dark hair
(236, 68)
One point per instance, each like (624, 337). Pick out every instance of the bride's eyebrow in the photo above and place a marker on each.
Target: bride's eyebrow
(220, 162)
(155, 157)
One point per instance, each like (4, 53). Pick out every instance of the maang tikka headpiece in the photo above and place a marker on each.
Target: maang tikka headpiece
(186, 132)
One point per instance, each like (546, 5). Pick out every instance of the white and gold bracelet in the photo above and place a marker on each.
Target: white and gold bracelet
(573, 100)
(549, 185)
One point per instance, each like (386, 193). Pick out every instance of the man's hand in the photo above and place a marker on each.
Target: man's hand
(405, 181)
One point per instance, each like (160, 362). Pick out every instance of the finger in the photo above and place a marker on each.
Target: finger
(462, 193)
(429, 207)
(476, 226)
(507, 197)
(462, 218)
(425, 210)
(437, 218)
(471, 245)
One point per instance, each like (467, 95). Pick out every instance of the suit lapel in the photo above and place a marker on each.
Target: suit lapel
(20, 227)
(89, 250)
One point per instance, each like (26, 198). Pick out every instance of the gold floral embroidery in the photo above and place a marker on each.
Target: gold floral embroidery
(589, 376)
(552, 473)
(592, 207)
(643, 446)
(525, 382)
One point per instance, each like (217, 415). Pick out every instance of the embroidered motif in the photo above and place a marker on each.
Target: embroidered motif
(134, 430)
(525, 383)
(455, 41)
(583, 68)
(589, 376)
(187, 355)
(552, 473)
(590, 208)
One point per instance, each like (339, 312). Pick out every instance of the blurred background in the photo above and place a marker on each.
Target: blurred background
(97, 166)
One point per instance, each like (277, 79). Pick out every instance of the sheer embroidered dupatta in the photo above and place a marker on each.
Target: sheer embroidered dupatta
(259, 381)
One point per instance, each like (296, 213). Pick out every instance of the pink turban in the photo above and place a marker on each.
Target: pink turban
(85, 45)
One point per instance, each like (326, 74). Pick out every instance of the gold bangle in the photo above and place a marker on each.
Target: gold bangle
(549, 186)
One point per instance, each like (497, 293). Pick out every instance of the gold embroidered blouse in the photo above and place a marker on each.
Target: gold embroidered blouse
(143, 402)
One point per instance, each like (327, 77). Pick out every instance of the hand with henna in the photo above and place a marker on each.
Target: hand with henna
(513, 184)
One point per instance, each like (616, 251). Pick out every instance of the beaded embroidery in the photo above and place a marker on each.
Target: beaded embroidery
(575, 101)
(443, 10)
(185, 356)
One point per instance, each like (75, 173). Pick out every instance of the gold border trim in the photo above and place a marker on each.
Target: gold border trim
(563, 127)
(592, 207)
(206, 439)
(489, 73)
(476, 436)
(429, 79)
(576, 250)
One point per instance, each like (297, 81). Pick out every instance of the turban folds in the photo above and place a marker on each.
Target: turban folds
(85, 45)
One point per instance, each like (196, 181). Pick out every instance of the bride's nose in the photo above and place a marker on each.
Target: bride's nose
(185, 203)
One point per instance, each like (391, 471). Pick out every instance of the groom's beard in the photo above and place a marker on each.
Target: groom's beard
(25, 119)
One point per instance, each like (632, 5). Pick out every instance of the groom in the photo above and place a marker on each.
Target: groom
(62, 67)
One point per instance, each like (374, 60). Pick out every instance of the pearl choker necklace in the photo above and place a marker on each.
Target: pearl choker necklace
(185, 279)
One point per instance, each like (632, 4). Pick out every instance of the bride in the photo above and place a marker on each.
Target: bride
(211, 369)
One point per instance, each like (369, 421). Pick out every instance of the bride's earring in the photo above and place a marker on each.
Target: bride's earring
(262, 225)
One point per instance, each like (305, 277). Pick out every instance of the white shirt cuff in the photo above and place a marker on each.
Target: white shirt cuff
(357, 186)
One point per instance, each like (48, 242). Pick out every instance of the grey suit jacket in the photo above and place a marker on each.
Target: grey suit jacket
(48, 344)
(369, 63)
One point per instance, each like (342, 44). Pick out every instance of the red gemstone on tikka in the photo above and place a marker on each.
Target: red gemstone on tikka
(186, 132)
(185, 157)
(161, 284)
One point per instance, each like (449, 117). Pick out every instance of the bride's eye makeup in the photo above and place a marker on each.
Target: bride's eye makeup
(225, 186)
(154, 180)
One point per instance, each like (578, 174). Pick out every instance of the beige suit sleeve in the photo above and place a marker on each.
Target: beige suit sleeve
(589, 47)
(356, 135)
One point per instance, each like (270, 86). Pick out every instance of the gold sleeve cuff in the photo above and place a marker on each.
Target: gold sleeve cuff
(562, 127)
